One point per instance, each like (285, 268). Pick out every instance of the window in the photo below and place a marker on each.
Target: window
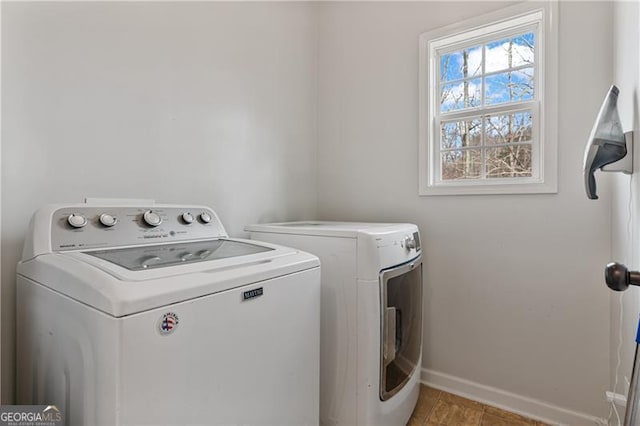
(488, 105)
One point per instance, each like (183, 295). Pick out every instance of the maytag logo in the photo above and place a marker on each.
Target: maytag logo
(250, 294)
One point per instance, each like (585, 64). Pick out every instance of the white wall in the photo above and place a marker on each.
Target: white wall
(626, 193)
(210, 103)
(217, 103)
(514, 298)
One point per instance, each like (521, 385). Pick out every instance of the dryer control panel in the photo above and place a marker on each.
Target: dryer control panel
(83, 227)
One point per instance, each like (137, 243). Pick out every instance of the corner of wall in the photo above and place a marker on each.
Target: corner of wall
(625, 207)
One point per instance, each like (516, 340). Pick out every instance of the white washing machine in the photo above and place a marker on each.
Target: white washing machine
(151, 315)
(371, 316)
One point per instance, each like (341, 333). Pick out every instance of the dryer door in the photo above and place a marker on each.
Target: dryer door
(401, 320)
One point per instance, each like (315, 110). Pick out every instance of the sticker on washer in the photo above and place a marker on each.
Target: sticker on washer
(168, 323)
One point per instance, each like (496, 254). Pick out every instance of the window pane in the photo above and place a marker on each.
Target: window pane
(509, 128)
(461, 134)
(463, 64)
(509, 53)
(512, 86)
(509, 161)
(461, 164)
(456, 96)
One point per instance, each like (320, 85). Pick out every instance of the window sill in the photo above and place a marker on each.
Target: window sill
(498, 188)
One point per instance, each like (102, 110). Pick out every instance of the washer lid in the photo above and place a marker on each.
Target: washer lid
(118, 291)
(330, 228)
(164, 255)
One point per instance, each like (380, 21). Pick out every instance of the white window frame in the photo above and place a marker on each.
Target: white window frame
(522, 18)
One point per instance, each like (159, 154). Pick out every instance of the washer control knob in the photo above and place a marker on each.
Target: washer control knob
(410, 243)
(108, 220)
(187, 218)
(76, 220)
(205, 217)
(151, 218)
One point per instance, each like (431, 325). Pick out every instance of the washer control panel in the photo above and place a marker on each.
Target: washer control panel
(87, 227)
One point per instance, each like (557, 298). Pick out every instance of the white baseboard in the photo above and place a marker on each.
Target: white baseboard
(522, 405)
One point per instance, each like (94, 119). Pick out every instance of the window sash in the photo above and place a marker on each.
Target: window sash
(499, 109)
(484, 36)
(440, 47)
(435, 177)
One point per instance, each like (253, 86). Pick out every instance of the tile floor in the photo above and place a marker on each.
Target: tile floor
(441, 408)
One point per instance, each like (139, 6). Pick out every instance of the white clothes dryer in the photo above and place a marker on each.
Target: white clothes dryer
(371, 316)
(151, 315)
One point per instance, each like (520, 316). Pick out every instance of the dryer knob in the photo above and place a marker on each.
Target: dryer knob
(410, 243)
(205, 217)
(151, 218)
(76, 220)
